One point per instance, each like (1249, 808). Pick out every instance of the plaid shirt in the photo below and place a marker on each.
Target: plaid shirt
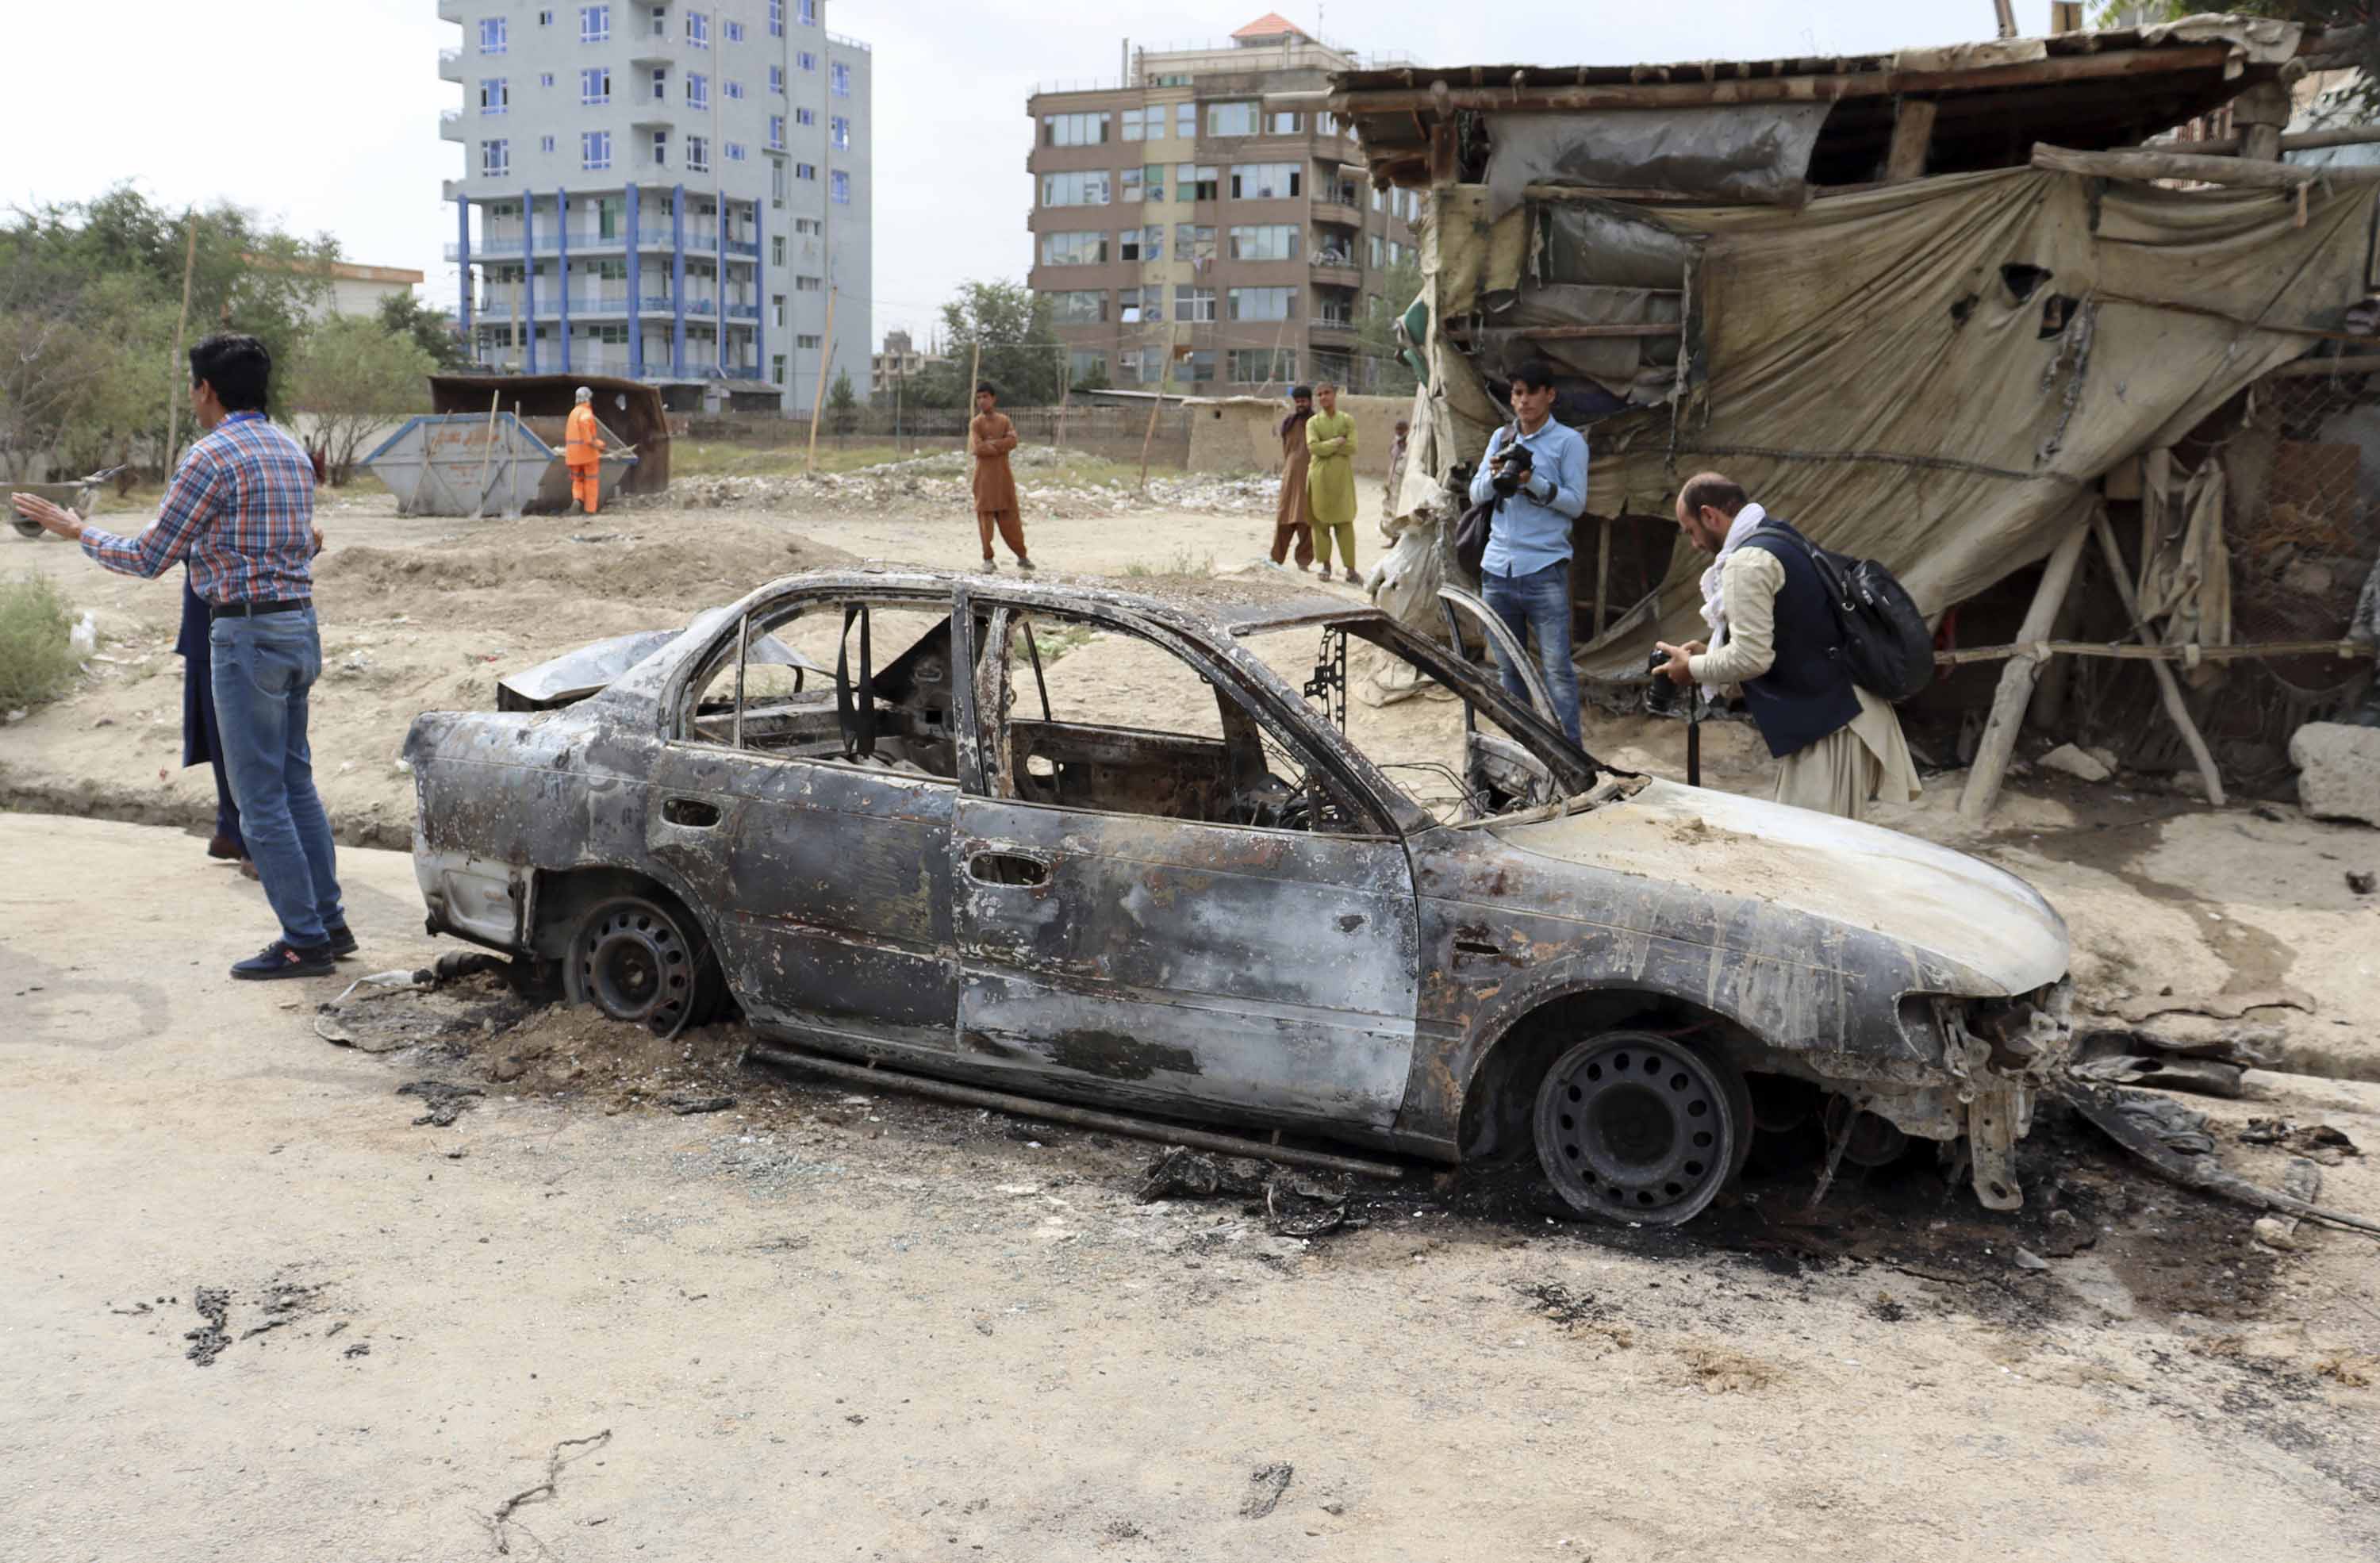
(242, 509)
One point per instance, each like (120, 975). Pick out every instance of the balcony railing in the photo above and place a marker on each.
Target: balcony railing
(1332, 323)
(742, 246)
(743, 311)
(588, 303)
(450, 64)
(748, 371)
(646, 237)
(653, 301)
(482, 248)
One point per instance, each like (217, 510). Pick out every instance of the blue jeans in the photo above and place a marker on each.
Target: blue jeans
(263, 668)
(1540, 601)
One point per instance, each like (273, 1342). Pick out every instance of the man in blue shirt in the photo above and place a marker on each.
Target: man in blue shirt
(1538, 469)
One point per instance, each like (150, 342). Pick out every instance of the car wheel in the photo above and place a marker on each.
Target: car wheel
(1635, 1127)
(640, 961)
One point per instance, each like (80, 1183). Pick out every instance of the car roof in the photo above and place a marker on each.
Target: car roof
(1238, 605)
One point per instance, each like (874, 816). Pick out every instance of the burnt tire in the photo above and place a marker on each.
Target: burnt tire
(1635, 1127)
(644, 962)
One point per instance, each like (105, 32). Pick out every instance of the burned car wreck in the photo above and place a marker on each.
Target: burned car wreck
(947, 854)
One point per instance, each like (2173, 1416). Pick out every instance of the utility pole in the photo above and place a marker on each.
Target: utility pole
(2006, 9)
(174, 393)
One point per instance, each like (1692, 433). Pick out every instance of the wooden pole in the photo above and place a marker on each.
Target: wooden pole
(2250, 173)
(487, 449)
(2016, 680)
(1065, 390)
(1602, 574)
(974, 378)
(818, 398)
(2168, 687)
(512, 468)
(179, 380)
(1913, 134)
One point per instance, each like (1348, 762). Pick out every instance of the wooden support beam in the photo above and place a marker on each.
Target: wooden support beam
(1602, 575)
(1912, 133)
(2015, 692)
(1576, 333)
(2112, 65)
(2303, 140)
(2239, 172)
(2169, 689)
(2345, 650)
(2260, 113)
(2310, 369)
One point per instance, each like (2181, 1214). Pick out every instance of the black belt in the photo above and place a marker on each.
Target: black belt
(250, 609)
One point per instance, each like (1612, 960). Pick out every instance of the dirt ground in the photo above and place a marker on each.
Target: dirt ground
(254, 1307)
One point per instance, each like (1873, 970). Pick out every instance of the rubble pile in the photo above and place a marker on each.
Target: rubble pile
(944, 479)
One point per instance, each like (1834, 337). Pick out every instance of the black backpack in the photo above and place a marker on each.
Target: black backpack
(1477, 525)
(1885, 644)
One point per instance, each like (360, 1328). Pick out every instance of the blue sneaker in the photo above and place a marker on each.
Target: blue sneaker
(283, 959)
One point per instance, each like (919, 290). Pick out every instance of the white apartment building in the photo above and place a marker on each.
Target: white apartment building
(663, 190)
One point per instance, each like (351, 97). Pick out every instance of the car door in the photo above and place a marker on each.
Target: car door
(827, 876)
(1131, 941)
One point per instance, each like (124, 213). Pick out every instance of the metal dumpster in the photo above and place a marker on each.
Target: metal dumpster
(469, 463)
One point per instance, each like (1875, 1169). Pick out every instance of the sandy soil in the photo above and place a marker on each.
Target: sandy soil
(828, 1323)
(2168, 899)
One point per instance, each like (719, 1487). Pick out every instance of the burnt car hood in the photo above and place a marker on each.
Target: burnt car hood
(1979, 920)
(575, 675)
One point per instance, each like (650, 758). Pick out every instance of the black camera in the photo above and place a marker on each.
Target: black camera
(1661, 695)
(1511, 469)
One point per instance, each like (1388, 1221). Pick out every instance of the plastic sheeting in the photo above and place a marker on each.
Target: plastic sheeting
(1934, 374)
(1716, 153)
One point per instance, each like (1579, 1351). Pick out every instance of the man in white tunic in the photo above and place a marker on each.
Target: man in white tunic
(1773, 633)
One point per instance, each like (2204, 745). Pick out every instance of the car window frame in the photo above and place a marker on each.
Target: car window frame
(1221, 672)
(695, 674)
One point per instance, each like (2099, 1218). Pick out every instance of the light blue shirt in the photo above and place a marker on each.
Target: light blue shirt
(1532, 527)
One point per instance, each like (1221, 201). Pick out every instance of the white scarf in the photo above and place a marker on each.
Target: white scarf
(1714, 605)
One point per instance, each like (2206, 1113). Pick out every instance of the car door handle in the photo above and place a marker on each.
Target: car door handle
(1008, 868)
(693, 813)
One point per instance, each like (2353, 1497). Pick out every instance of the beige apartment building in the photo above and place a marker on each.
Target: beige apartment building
(1176, 218)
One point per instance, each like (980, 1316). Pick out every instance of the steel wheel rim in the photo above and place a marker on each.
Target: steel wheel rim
(634, 963)
(1634, 1127)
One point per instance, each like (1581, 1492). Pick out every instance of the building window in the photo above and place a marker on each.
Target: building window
(495, 95)
(809, 226)
(1089, 187)
(545, 80)
(776, 368)
(808, 341)
(1086, 368)
(735, 152)
(806, 60)
(1270, 241)
(1195, 181)
(1073, 129)
(777, 250)
(496, 158)
(734, 91)
(1138, 306)
(776, 132)
(807, 284)
(595, 85)
(777, 80)
(491, 35)
(1254, 366)
(1142, 244)
(1284, 123)
(594, 24)
(1375, 198)
(595, 148)
(660, 83)
(1262, 303)
(1267, 181)
(777, 311)
(735, 32)
(806, 171)
(1134, 185)
(1136, 125)
(808, 11)
(838, 79)
(698, 29)
(660, 148)
(697, 90)
(776, 18)
(838, 133)
(1084, 308)
(1193, 305)
(1326, 124)
(804, 117)
(545, 143)
(1376, 251)
(1073, 250)
(697, 154)
(1185, 119)
(546, 18)
(1195, 244)
(838, 187)
(1231, 119)
(777, 181)
(1198, 365)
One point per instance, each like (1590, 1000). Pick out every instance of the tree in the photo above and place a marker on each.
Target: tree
(1386, 373)
(433, 331)
(843, 403)
(1021, 351)
(1095, 380)
(352, 378)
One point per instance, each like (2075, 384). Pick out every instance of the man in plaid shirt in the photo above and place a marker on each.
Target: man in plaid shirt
(241, 510)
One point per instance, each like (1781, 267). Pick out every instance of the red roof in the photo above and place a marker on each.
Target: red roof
(1272, 24)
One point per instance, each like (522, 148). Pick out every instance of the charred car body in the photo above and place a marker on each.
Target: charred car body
(894, 847)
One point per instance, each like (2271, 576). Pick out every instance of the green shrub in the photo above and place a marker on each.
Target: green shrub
(37, 660)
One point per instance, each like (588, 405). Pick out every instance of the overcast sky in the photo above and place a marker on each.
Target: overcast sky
(323, 114)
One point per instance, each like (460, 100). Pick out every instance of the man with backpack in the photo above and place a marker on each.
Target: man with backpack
(1774, 632)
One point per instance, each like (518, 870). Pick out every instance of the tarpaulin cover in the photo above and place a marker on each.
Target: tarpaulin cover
(1934, 374)
(1720, 152)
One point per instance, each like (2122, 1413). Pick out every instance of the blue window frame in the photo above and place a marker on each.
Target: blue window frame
(697, 90)
(595, 148)
(735, 32)
(838, 133)
(838, 79)
(777, 80)
(594, 24)
(805, 116)
(595, 85)
(808, 11)
(545, 143)
(734, 90)
(491, 35)
(776, 132)
(735, 152)
(806, 171)
(805, 59)
(545, 78)
(838, 184)
(495, 95)
(776, 18)
(697, 29)
(496, 158)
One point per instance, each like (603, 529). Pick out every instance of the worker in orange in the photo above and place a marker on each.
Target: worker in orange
(582, 451)
(991, 435)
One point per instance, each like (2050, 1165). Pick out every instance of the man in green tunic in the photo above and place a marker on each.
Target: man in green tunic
(1330, 481)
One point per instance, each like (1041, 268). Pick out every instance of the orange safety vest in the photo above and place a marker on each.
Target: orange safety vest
(582, 446)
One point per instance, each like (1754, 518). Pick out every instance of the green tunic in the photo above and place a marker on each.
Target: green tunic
(1330, 479)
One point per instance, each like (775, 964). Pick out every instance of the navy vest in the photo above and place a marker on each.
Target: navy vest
(1808, 692)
